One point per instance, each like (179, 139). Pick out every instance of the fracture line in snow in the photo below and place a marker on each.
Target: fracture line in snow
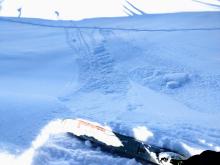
(112, 28)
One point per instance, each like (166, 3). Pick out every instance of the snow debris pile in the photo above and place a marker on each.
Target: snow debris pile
(160, 79)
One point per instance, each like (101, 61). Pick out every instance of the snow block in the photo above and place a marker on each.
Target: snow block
(172, 84)
(176, 80)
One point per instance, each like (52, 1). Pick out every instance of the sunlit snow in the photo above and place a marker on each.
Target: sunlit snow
(75, 9)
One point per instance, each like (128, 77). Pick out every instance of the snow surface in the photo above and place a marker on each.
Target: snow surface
(77, 10)
(155, 77)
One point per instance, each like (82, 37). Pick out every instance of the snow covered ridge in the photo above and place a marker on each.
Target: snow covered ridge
(160, 86)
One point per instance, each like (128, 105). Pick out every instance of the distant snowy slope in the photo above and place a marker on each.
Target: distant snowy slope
(77, 10)
(152, 76)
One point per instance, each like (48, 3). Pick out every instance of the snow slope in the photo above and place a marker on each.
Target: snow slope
(77, 10)
(155, 77)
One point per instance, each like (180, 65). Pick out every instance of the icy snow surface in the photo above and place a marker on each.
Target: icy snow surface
(161, 86)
